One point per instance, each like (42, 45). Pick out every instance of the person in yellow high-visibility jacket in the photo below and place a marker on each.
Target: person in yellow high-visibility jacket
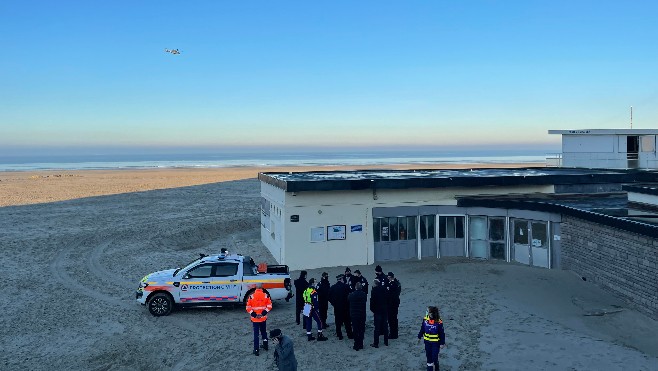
(311, 307)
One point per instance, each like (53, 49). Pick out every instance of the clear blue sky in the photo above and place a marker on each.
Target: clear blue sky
(322, 73)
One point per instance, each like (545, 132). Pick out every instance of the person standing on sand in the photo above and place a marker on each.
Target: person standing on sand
(393, 303)
(300, 285)
(284, 354)
(338, 294)
(358, 300)
(311, 306)
(431, 331)
(378, 298)
(258, 305)
(323, 297)
(379, 276)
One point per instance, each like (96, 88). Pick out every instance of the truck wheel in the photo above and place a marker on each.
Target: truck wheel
(160, 304)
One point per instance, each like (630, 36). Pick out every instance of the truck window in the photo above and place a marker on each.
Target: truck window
(201, 271)
(225, 269)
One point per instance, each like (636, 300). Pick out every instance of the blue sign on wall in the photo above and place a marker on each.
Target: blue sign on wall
(356, 228)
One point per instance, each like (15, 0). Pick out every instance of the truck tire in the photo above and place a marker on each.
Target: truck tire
(160, 304)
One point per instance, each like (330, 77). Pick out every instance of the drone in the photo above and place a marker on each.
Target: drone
(172, 51)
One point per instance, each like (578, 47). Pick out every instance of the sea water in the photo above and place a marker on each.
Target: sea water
(264, 159)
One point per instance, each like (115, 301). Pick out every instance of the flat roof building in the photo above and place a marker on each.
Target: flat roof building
(544, 217)
(607, 148)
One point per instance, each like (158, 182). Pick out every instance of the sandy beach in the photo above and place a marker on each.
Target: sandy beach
(75, 244)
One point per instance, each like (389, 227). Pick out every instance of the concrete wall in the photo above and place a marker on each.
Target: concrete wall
(619, 261)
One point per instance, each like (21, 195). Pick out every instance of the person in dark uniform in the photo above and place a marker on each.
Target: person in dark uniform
(378, 308)
(300, 285)
(392, 304)
(323, 297)
(358, 300)
(338, 299)
(431, 331)
(379, 276)
(358, 278)
(349, 279)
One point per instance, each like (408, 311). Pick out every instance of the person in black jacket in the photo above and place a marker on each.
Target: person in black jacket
(358, 300)
(362, 280)
(378, 308)
(393, 303)
(338, 299)
(300, 285)
(323, 297)
(379, 276)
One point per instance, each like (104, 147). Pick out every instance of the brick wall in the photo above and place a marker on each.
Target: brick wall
(622, 262)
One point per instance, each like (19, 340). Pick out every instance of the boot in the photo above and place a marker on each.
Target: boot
(430, 367)
(321, 337)
(265, 344)
(310, 337)
(256, 352)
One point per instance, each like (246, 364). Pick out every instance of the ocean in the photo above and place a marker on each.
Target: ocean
(272, 159)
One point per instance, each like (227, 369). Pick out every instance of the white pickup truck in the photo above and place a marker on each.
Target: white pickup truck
(211, 280)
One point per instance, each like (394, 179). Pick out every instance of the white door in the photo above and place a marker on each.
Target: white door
(195, 285)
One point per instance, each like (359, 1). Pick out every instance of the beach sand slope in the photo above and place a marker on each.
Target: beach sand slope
(71, 269)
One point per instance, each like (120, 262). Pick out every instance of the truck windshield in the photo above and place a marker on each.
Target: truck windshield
(187, 265)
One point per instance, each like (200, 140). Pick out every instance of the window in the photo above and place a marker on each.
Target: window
(520, 232)
(497, 238)
(402, 228)
(201, 271)
(427, 227)
(249, 268)
(393, 225)
(539, 234)
(451, 227)
(376, 229)
(226, 270)
(411, 227)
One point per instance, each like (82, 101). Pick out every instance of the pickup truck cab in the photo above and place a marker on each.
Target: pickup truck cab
(211, 280)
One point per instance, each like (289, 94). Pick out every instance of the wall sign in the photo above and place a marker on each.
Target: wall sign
(336, 232)
(294, 218)
(317, 234)
(356, 228)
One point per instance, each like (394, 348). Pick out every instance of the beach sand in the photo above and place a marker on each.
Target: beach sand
(71, 269)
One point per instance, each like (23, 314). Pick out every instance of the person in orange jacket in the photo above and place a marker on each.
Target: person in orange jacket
(259, 305)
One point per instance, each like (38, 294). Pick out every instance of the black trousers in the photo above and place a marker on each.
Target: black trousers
(324, 308)
(339, 314)
(393, 320)
(359, 328)
(299, 305)
(381, 328)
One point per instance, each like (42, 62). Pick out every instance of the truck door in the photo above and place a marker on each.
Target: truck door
(194, 287)
(226, 283)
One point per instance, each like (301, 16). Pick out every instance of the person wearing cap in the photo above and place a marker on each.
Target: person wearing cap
(379, 276)
(311, 306)
(393, 304)
(378, 309)
(300, 285)
(259, 305)
(358, 300)
(323, 297)
(338, 298)
(358, 278)
(284, 352)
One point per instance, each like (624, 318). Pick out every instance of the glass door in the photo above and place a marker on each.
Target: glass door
(477, 235)
(521, 241)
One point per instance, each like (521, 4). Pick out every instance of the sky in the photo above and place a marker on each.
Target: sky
(321, 74)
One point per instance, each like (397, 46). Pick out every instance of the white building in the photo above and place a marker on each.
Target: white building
(323, 219)
(607, 148)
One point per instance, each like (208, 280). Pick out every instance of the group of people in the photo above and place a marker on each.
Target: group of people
(349, 297)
